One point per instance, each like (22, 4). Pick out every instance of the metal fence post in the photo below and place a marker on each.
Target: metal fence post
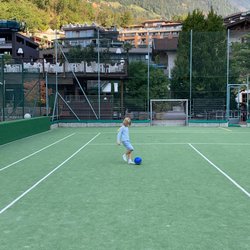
(190, 74)
(23, 92)
(3, 87)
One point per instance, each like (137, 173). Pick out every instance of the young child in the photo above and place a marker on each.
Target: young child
(123, 137)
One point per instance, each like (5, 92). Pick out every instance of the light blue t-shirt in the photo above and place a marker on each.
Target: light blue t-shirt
(123, 134)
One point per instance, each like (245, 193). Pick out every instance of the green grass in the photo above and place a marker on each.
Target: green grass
(174, 200)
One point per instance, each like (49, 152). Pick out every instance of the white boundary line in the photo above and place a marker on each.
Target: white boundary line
(222, 172)
(177, 143)
(46, 176)
(229, 130)
(217, 132)
(176, 132)
(28, 156)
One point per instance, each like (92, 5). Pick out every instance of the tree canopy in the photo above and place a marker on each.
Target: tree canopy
(240, 60)
(201, 54)
(137, 85)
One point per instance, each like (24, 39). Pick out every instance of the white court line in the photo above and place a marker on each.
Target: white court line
(171, 132)
(222, 172)
(45, 177)
(229, 130)
(38, 151)
(177, 143)
(139, 132)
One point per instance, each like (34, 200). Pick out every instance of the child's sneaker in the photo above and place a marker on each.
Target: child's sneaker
(124, 157)
(130, 162)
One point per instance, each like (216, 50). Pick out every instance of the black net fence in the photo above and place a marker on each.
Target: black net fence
(82, 84)
(206, 64)
(21, 91)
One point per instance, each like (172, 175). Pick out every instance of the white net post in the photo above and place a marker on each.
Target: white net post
(169, 112)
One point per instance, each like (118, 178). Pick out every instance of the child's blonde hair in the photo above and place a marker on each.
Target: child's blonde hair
(127, 121)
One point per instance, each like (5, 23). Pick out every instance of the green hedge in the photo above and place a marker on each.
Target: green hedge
(14, 130)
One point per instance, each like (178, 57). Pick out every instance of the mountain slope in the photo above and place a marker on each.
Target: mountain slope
(44, 14)
(170, 8)
(241, 5)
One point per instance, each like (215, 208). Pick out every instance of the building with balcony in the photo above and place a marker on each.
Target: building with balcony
(141, 35)
(85, 35)
(239, 25)
(45, 39)
(164, 53)
(16, 44)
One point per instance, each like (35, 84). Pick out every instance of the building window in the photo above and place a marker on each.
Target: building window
(31, 45)
(20, 40)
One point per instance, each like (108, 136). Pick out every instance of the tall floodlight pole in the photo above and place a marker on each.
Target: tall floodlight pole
(247, 94)
(3, 86)
(56, 96)
(23, 93)
(228, 89)
(21, 54)
(148, 87)
(99, 82)
(47, 94)
(190, 73)
(56, 77)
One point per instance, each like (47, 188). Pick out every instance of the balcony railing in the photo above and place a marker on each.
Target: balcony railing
(82, 67)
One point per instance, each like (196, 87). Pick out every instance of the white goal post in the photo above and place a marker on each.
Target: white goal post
(169, 111)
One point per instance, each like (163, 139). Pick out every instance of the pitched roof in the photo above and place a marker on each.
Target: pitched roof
(236, 19)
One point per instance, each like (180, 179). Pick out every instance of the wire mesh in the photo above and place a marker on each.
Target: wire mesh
(122, 84)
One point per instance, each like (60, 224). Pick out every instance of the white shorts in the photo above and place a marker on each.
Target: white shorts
(128, 145)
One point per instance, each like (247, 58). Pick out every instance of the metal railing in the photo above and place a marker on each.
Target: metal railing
(83, 67)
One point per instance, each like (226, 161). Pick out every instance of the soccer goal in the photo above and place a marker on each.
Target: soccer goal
(169, 111)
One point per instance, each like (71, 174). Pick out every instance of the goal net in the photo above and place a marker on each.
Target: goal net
(169, 111)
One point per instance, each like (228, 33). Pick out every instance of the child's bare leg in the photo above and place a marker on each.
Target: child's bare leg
(129, 154)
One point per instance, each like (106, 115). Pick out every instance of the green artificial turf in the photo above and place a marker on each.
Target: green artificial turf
(175, 200)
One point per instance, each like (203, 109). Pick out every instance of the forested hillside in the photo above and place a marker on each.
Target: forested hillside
(170, 8)
(44, 14)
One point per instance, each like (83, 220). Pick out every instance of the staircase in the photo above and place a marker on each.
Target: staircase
(84, 112)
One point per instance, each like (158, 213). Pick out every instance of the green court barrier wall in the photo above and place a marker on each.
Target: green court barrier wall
(14, 130)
